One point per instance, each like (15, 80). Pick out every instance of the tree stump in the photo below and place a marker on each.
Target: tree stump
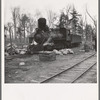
(47, 56)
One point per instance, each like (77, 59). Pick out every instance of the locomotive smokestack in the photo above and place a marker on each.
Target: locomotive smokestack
(41, 23)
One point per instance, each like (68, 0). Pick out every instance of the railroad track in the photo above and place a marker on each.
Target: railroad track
(73, 73)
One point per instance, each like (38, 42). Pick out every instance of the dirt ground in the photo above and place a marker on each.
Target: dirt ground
(25, 69)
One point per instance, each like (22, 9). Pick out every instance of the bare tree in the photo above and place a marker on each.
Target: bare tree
(5, 29)
(51, 17)
(24, 21)
(91, 35)
(5, 33)
(91, 18)
(31, 25)
(15, 16)
(37, 15)
(94, 21)
(9, 25)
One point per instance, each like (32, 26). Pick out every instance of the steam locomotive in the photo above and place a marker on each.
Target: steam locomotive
(49, 39)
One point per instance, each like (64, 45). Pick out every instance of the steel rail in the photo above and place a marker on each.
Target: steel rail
(83, 73)
(44, 81)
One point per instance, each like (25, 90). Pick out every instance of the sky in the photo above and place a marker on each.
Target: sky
(30, 6)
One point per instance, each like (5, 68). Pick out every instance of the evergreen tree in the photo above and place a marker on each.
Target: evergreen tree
(75, 20)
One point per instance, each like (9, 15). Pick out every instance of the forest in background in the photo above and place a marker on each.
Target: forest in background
(23, 24)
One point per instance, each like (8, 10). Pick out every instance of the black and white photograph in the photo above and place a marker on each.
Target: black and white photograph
(49, 50)
(50, 41)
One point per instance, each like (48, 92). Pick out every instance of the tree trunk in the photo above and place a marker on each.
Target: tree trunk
(10, 39)
(15, 32)
(24, 35)
(12, 35)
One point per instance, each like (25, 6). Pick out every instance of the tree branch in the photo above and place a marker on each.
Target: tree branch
(91, 17)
